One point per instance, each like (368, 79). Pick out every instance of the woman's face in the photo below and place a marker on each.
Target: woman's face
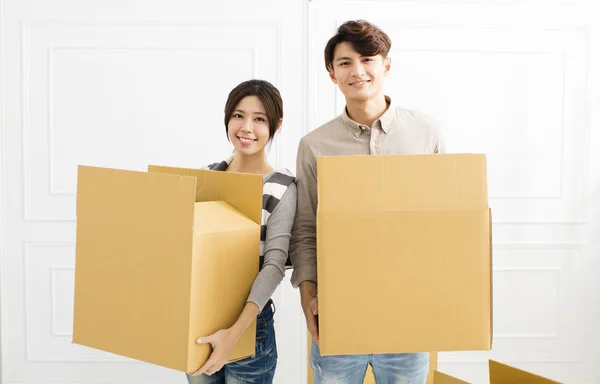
(248, 127)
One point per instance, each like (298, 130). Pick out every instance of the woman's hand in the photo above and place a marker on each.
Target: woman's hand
(223, 341)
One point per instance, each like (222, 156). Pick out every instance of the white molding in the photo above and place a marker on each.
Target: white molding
(475, 2)
(307, 36)
(52, 190)
(589, 110)
(311, 66)
(554, 270)
(3, 256)
(541, 223)
(26, 26)
(25, 116)
(53, 269)
(563, 245)
(526, 336)
(159, 23)
(563, 54)
(27, 248)
(27, 262)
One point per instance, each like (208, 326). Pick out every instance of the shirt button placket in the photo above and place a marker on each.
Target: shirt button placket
(375, 141)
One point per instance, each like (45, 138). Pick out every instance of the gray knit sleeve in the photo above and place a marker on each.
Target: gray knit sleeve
(279, 228)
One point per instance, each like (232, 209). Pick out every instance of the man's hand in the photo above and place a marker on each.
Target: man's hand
(310, 306)
(223, 341)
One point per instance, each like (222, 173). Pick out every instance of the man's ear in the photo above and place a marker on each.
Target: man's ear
(332, 75)
(387, 63)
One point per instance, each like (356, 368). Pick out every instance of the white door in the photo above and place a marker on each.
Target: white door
(520, 83)
(121, 84)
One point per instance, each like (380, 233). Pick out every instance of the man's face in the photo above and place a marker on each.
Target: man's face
(360, 78)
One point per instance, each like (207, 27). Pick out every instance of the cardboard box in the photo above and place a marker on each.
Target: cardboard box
(403, 254)
(369, 377)
(162, 258)
(499, 374)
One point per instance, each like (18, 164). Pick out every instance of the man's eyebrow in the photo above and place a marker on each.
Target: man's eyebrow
(255, 113)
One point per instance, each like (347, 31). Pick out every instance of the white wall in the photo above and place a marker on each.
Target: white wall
(127, 83)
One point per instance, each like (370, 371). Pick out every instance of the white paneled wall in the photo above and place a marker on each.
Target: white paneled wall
(121, 84)
(515, 81)
(128, 83)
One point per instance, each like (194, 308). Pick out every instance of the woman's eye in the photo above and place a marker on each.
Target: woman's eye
(261, 119)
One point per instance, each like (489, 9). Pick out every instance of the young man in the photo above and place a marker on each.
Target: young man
(356, 59)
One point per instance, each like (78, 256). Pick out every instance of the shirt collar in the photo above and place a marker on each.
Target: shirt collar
(385, 120)
(388, 116)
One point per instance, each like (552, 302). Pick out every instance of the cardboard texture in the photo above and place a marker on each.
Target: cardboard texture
(162, 259)
(403, 254)
(442, 378)
(505, 374)
(499, 374)
(369, 377)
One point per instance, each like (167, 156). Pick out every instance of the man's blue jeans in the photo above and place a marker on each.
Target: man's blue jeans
(401, 368)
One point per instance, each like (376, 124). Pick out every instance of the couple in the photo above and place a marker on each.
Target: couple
(356, 59)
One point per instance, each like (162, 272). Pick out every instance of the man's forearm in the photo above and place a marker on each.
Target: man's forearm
(308, 290)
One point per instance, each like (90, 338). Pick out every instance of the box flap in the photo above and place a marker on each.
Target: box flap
(243, 191)
(219, 216)
(442, 378)
(122, 303)
(505, 374)
(435, 182)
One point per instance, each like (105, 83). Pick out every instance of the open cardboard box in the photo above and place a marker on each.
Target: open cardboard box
(404, 255)
(499, 374)
(163, 257)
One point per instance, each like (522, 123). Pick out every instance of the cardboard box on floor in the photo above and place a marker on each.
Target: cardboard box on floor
(403, 254)
(163, 257)
(499, 374)
(369, 377)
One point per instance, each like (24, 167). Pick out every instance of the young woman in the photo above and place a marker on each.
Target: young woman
(253, 114)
